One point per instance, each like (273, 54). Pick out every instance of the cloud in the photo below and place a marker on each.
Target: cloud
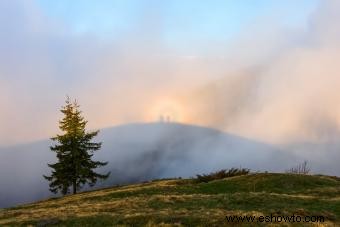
(291, 94)
(115, 80)
(260, 85)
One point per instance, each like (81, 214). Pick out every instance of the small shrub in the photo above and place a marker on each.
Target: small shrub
(221, 174)
(301, 168)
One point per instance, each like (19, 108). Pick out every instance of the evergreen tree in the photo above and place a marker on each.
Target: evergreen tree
(74, 151)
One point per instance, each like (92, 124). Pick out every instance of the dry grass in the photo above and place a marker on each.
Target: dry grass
(170, 203)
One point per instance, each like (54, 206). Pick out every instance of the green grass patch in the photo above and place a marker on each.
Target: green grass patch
(186, 203)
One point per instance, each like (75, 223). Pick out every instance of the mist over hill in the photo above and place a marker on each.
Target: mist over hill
(140, 152)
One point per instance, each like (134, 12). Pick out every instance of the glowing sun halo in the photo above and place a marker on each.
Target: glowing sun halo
(166, 110)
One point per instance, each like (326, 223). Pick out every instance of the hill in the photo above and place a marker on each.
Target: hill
(136, 153)
(182, 202)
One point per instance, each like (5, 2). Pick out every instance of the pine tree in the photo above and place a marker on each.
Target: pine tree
(74, 151)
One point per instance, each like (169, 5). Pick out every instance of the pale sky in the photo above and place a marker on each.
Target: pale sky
(181, 20)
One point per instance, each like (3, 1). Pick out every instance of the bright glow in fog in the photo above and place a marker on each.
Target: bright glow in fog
(167, 110)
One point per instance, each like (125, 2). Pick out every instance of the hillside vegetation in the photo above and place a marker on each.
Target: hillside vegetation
(184, 202)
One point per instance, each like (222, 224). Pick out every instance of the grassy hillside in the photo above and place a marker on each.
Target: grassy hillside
(186, 203)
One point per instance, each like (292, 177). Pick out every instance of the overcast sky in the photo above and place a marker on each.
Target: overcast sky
(263, 69)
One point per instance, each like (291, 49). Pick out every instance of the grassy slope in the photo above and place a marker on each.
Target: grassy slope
(182, 202)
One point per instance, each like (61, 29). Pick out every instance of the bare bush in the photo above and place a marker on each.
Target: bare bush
(301, 168)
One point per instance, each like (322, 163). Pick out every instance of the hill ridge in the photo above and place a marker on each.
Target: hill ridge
(183, 202)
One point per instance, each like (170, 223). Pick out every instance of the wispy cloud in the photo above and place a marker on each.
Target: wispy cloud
(271, 82)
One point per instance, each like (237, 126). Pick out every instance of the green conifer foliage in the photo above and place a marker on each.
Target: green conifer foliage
(74, 151)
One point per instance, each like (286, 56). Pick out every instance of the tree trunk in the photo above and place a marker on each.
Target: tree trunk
(74, 188)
